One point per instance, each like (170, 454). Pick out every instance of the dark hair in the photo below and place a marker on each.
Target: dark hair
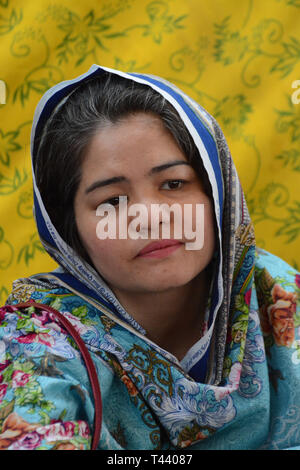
(100, 100)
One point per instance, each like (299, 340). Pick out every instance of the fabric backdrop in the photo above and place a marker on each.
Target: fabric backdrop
(238, 59)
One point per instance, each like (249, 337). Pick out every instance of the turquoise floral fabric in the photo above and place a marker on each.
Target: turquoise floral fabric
(148, 401)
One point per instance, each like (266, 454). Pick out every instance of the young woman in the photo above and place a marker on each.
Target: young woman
(194, 344)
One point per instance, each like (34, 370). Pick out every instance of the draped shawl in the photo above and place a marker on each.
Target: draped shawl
(238, 386)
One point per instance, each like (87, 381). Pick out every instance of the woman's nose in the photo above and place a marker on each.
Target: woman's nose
(155, 220)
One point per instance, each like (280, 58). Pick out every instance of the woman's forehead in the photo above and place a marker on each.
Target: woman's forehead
(140, 140)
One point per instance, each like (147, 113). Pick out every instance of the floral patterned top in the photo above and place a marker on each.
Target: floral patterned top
(149, 401)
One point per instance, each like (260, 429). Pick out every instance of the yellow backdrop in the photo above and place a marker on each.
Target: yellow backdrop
(238, 59)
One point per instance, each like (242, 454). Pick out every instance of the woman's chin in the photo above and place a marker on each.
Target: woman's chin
(163, 283)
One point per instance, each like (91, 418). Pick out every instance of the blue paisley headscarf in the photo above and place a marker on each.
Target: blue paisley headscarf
(235, 255)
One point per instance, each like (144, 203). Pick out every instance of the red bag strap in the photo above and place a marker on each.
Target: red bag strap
(92, 373)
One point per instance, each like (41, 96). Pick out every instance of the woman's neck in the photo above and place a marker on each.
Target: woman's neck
(172, 319)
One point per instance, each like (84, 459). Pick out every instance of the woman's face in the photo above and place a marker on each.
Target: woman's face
(136, 158)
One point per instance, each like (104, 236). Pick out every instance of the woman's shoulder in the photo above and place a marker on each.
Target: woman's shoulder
(32, 288)
(39, 362)
(276, 266)
(32, 314)
(278, 289)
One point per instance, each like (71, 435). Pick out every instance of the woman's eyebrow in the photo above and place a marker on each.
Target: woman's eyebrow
(101, 183)
(159, 168)
(119, 179)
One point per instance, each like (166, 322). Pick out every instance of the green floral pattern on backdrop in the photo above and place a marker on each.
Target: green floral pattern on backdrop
(237, 59)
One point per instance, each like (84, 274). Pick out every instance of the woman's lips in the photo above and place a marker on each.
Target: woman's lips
(160, 249)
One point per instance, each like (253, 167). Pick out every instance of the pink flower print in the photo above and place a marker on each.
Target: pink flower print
(83, 430)
(221, 392)
(58, 431)
(297, 280)
(45, 321)
(6, 309)
(14, 428)
(43, 338)
(40, 319)
(281, 316)
(233, 379)
(67, 430)
(248, 296)
(45, 318)
(3, 388)
(2, 313)
(79, 327)
(4, 365)
(235, 374)
(43, 315)
(27, 442)
(19, 378)
(9, 308)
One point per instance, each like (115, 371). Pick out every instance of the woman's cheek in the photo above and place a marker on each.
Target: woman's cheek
(106, 253)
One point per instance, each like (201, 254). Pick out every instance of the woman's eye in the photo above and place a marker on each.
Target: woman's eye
(114, 201)
(174, 184)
